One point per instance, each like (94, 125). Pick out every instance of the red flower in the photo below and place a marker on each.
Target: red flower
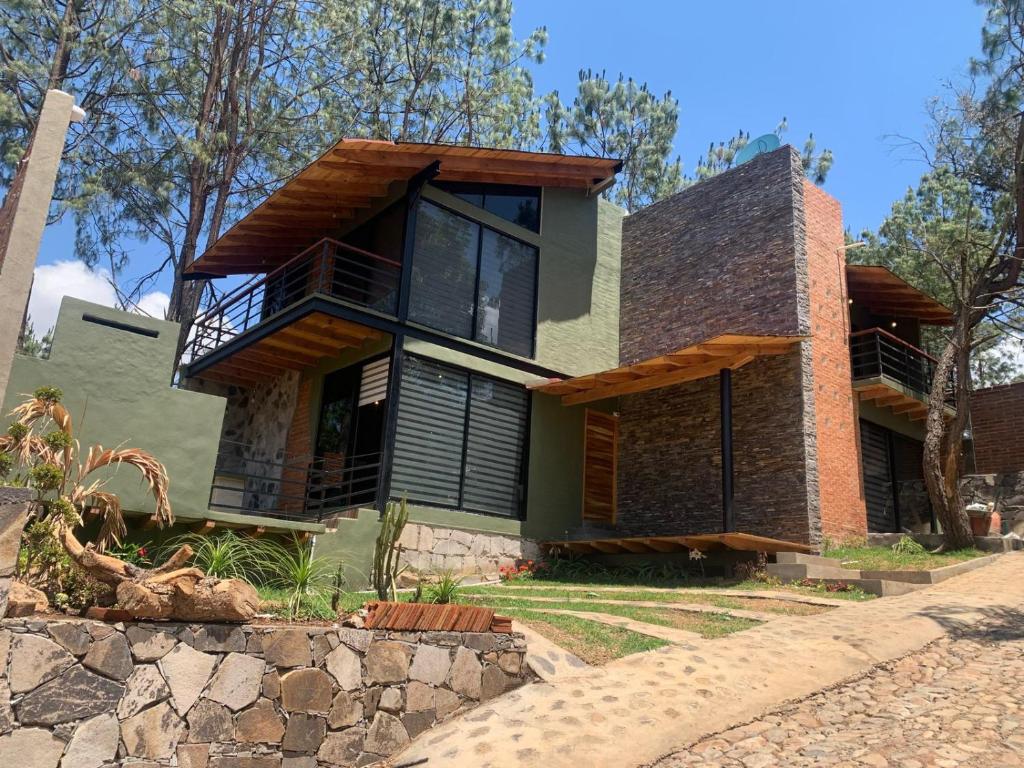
(142, 551)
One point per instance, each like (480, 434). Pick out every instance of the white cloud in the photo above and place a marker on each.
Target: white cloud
(72, 278)
(155, 304)
(65, 278)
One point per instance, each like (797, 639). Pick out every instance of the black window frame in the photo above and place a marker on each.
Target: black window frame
(524, 460)
(481, 226)
(458, 188)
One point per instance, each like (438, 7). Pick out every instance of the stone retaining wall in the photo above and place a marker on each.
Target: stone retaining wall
(430, 549)
(82, 694)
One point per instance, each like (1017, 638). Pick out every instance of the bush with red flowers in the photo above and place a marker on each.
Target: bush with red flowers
(523, 571)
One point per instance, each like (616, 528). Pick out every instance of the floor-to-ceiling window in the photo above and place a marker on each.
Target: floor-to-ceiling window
(472, 281)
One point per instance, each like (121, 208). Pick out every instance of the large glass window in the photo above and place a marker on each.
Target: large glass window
(460, 439)
(520, 205)
(472, 281)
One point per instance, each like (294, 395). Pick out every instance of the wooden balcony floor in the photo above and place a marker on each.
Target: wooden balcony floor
(884, 392)
(293, 347)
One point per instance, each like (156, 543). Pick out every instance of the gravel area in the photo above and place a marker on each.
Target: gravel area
(957, 702)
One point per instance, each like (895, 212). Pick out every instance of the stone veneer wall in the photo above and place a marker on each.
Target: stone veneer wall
(671, 462)
(254, 436)
(82, 694)
(727, 255)
(430, 549)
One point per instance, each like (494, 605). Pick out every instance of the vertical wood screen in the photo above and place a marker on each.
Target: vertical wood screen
(600, 463)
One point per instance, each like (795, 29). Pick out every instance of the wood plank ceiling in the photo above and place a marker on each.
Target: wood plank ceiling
(697, 361)
(356, 174)
(295, 347)
(884, 293)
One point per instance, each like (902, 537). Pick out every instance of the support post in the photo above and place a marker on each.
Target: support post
(23, 219)
(725, 401)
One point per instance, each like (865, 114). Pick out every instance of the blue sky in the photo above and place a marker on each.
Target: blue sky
(856, 73)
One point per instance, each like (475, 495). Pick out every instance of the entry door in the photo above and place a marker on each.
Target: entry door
(600, 463)
(876, 459)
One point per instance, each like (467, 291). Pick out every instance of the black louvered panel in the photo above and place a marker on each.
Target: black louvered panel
(878, 495)
(431, 422)
(497, 431)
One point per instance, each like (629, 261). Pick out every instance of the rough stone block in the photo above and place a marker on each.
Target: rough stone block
(153, 733)
(345, 711)
(220, 638)
(342, 747)
(30, 748)
(388, 662)
(418, 697)
(74, 695)
(93, 743)
(465, 674)
(260, 724)
(71, 637)
(149, 645)
(238, 681)
(209, 722)
(145, 687)
(430, 665)
(306, 690)
(186, 671)
(305, 733)
(110, 657)
(34, 660)
(386, 735)
(287, 648)
(345, 666)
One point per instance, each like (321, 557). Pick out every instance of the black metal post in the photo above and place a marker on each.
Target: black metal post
(412, 198)
(725, 401)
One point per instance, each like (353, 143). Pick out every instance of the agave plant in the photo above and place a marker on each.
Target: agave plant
(44, 455)
(303, 576)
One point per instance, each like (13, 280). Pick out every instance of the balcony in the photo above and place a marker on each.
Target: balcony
(329, 269)
(892, 373)
(306, 488)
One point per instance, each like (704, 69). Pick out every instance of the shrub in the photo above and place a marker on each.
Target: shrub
(444, 589)
(225, 555)
(301, 574)
(907, 546)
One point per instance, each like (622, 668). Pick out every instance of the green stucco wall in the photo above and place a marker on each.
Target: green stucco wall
(351, 542)
(884, 417)
(116, 386)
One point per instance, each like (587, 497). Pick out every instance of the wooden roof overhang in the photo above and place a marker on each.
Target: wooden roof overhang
(884, 293)
(697, 361)
(294, 346)
(743, 542)
(356, 174)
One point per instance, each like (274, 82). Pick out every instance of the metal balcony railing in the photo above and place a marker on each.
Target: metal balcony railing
(328, 268)
(298, 488)
(876, 353)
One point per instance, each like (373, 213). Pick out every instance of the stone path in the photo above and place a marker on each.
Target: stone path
(638, 709)
(669, 634)
(760, 594)
(958, 702)
(551, 662)
(663, 605)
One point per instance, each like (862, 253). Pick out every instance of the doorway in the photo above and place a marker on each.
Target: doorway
(345, 467)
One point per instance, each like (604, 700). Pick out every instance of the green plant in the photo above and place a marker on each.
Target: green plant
(300, 573)
(225, 555)
(339, 580)
(907, 546)
(387, 551)
(130, 552)
(444, 588)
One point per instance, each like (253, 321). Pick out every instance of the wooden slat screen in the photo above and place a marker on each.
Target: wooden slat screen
(600, 463)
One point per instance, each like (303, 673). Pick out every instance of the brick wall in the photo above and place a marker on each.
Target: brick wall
(298, 445)
(997, 423)
(842, 510)
(727, 255)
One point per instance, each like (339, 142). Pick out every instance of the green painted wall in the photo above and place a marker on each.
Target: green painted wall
(116, 386)
(351, 541)
(884, 417)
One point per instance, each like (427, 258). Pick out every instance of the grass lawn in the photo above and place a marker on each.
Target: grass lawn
(705, 624)
(573, 593)
(594, 643)
(885, 559)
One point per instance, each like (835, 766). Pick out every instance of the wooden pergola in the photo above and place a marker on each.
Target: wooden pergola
(718, 356)
(356, 175)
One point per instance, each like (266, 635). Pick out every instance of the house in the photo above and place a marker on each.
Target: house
(479, 332)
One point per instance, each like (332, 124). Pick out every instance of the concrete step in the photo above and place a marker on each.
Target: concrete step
(796, 572)
(799, 558)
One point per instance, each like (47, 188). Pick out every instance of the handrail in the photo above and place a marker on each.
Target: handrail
(894, 338)
(253, 282)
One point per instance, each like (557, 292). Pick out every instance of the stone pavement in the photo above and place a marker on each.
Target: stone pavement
(958, 702)
(641, 708)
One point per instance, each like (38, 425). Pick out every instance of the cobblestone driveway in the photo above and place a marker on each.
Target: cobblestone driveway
(957, 702)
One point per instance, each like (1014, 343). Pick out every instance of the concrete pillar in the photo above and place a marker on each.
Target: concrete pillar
(24, 218)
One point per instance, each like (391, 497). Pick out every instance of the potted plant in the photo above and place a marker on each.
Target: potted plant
(985, 521)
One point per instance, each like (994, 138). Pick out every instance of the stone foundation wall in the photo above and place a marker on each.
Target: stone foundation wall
(1005, 491)
(81, 694)
(431, 549)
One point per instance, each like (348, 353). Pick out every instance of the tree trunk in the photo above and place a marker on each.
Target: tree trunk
(942, 443)
(168, 592)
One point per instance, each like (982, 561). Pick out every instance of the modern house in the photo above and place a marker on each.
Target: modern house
(479, 332)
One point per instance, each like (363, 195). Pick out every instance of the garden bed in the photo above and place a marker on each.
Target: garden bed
(869, 558)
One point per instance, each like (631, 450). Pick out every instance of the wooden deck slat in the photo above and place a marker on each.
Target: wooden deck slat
(745, 542)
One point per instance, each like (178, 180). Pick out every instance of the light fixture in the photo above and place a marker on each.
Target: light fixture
(893, 323)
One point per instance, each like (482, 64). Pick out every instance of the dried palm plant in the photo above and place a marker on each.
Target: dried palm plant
(42, 444)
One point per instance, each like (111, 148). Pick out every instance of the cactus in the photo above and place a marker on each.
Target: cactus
(387, 551)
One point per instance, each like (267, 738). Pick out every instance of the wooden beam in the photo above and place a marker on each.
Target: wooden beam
(636, 546)
(689, 373)
(608, 547)
(660, 545)
(205, 527)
